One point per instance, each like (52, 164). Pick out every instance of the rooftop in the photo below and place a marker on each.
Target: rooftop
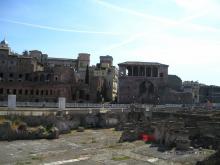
(141, 63)
(4, 42)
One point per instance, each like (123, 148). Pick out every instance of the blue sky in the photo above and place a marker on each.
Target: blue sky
(185, 34)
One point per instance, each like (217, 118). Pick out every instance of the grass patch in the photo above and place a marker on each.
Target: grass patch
(37, 158)
(114, 146)
(84, 142)
(23, 162)
(20, 163)
(93, 140)
(121, 158)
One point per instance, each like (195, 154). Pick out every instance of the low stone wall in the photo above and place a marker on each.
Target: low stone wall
(9, 131)
(51, 126)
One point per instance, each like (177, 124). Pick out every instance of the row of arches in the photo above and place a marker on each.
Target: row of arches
(142, 71)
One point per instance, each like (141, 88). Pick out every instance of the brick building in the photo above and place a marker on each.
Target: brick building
(33, 76)
(31, 79)
(148, 82)
(104, 80)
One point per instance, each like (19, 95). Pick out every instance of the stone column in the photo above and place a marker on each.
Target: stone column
(132, 71)
(62, 103)
(158, 72)
(145, 73)
(11, 101)
(151, 71)
(139, 70)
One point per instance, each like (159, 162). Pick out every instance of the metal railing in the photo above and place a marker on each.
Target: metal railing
(68, 105)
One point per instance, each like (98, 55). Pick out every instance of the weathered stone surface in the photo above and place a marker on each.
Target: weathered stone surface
(53, 133)
(129, 135)
(80, 129)
(63, 127)
(5, 130)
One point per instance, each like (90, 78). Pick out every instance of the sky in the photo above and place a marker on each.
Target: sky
(184, 34)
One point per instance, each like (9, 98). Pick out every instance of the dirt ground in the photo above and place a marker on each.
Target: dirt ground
(93, 147)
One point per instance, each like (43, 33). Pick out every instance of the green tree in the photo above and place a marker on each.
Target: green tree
(104, 90)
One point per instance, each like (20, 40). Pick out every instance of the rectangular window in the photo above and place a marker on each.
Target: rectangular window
(27, 76)
(1, 90)
(11, 75)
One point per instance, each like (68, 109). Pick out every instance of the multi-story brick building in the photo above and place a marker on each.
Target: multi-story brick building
(147, 82)
(33, 76)
(209, 93)
(31, 79)
(104, 80)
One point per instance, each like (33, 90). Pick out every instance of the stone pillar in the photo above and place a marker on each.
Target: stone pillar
(11, 101)
(132, 71)
(158, 72)
(151, 71)
(62, 103)
(145, 73)
(139, 70)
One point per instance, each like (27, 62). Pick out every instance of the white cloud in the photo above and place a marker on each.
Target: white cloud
(194, 5)
(172, 49)
(59, 29)
(134, 12)
(130, 39)
(164, 23)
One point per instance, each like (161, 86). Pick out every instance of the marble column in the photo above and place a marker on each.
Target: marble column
(145, 73)
(132, 71)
